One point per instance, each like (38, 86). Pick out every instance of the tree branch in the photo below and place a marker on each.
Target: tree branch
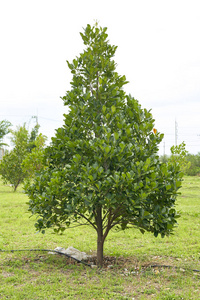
(108, 211)
(111, 218)
(77, 226)
(83, 216)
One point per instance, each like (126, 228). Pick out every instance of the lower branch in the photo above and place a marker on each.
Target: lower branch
(84, 217)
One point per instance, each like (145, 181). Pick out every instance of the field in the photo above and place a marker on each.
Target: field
(40, 275)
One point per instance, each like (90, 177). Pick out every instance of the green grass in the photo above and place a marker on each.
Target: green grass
(39, 275)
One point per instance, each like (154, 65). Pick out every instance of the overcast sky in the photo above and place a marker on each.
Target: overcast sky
(158, 51)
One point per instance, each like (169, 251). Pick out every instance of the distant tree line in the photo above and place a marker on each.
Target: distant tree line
(194, 161)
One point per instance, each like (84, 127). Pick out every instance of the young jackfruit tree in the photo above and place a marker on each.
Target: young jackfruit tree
(102, 167)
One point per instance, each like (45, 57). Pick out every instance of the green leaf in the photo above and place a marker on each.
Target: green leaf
(104, 109)
(107, 149)
(113, 109)
(122, 146)
(168, 187)
(116, 135)
(75, 62)
(128, 131)
(146, 213)
(90, 177)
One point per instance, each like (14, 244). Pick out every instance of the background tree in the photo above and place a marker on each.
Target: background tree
(33, 137)
(34, 161)
(11, 166)
(4, 129)
(103, 169)
(179, 156)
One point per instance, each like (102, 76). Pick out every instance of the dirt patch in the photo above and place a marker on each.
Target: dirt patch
(111, 261)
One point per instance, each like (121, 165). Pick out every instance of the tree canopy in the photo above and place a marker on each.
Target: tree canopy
(4, 129)
(102, 167)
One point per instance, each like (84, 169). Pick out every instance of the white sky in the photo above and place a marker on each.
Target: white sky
(158, 51)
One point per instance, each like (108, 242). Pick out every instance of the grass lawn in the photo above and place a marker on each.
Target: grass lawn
(39, 275)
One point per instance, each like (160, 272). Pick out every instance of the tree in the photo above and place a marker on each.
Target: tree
(179, 156)
(4, 129)
(11, 166)
(103, 169)
(34, 161)
(33, 137)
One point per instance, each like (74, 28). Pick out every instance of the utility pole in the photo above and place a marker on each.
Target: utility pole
(176, 133)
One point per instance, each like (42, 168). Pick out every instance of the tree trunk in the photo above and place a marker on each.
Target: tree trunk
(100, 238)
(100, 243)
(15, 187)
